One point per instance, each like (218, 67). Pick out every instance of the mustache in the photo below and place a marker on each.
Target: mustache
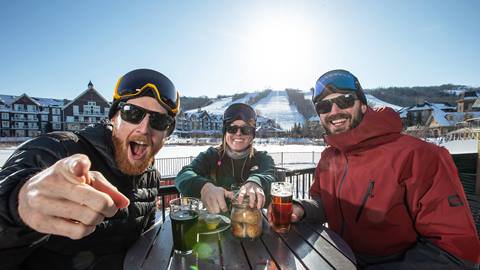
(145, 139)
(337, 116)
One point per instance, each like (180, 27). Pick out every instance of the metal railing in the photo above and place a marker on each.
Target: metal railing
(169, 167)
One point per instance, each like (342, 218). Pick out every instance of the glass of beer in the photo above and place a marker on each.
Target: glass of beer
(184, 213)
(281, 193)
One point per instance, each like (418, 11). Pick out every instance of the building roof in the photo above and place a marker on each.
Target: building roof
(90, 88)
(430, 106)
(45, 102)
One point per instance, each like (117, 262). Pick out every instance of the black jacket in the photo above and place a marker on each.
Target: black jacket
(24, 248)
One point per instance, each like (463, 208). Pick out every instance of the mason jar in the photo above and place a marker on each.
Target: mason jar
(246, 221)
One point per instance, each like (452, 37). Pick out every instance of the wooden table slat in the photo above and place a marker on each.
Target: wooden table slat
(279, 251)
(324, 247)
(258, 255)
(159, 256)
(336, 241)
(133, 260)
(309, 256)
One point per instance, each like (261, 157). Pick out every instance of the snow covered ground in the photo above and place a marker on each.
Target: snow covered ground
(172, 151)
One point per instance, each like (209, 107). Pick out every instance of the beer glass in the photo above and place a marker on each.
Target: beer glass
(184, 214)
(281, 193)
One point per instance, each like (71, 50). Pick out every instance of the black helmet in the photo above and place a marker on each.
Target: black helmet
(146, 82)
(238, 111)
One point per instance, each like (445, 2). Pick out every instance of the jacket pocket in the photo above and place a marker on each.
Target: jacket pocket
(368, 194)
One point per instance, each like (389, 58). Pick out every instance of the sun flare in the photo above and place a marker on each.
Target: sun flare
(278, 49)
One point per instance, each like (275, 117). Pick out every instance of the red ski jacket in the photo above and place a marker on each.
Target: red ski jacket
(381, 189)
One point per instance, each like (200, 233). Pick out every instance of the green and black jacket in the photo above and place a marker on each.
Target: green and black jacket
(223, 171)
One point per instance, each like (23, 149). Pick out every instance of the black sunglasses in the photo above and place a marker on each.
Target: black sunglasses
(245, 130)
(343, 102)
(135, 114)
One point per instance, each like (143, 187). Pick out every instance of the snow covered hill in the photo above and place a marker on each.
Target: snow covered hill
(276, 106)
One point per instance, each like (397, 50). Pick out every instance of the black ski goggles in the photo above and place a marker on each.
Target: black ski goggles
(239, 111)
(343, 102)
(245, 130)
(135, 114)
(137, 81)
(339, 79)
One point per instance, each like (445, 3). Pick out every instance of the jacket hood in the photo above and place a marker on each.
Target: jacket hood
(377, 126)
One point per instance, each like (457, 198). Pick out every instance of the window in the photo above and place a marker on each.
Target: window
(55, 110)
(32, 117)
(19, 133)
(56, 126)
(70, 119)
(5, 116)
(44, 117)
(5, 124)
(31, 108)
(18, 107)
(32, 126)
(55, 118)
(81, 119)
(76, 110)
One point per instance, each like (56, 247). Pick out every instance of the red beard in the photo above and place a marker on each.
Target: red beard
(121, 149)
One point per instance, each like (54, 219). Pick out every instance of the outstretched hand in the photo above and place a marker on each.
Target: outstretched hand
(213, 198)
(68, 199)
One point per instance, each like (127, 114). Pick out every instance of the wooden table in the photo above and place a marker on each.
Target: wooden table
(305, 246)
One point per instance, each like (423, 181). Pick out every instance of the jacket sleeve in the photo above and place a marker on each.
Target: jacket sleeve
(192, 177)
(438, 205)
(16, 239)
(264, 175)
(313, 208)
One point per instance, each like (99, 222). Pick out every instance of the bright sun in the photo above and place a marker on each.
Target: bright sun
(278, 50)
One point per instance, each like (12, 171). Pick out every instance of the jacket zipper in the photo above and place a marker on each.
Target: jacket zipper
(342, 228)
(364, 200)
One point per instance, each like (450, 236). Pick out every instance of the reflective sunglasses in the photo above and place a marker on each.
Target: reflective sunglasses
(343, 102)
(245, 130)
(135, 114)
(137, 81)
(339, 79)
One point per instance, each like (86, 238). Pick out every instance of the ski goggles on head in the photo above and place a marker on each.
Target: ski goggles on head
(343, 102)
(245, 130)
(136, 82)
(339, 79)
(239, 111)
(134, 114)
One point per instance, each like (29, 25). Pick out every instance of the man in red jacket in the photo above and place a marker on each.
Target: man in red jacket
(395, 199)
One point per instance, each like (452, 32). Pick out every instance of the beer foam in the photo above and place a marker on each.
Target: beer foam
(281, 193)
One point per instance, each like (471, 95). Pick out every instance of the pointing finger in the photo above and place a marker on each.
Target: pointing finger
(99, 182)
(78, 166)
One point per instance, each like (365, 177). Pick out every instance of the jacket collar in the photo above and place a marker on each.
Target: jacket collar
(377, 127)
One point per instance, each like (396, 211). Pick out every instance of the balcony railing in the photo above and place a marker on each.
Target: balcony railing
(169, 167)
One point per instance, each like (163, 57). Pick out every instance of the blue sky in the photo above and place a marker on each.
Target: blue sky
(54, 48)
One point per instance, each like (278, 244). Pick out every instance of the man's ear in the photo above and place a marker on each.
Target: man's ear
(364, 108)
